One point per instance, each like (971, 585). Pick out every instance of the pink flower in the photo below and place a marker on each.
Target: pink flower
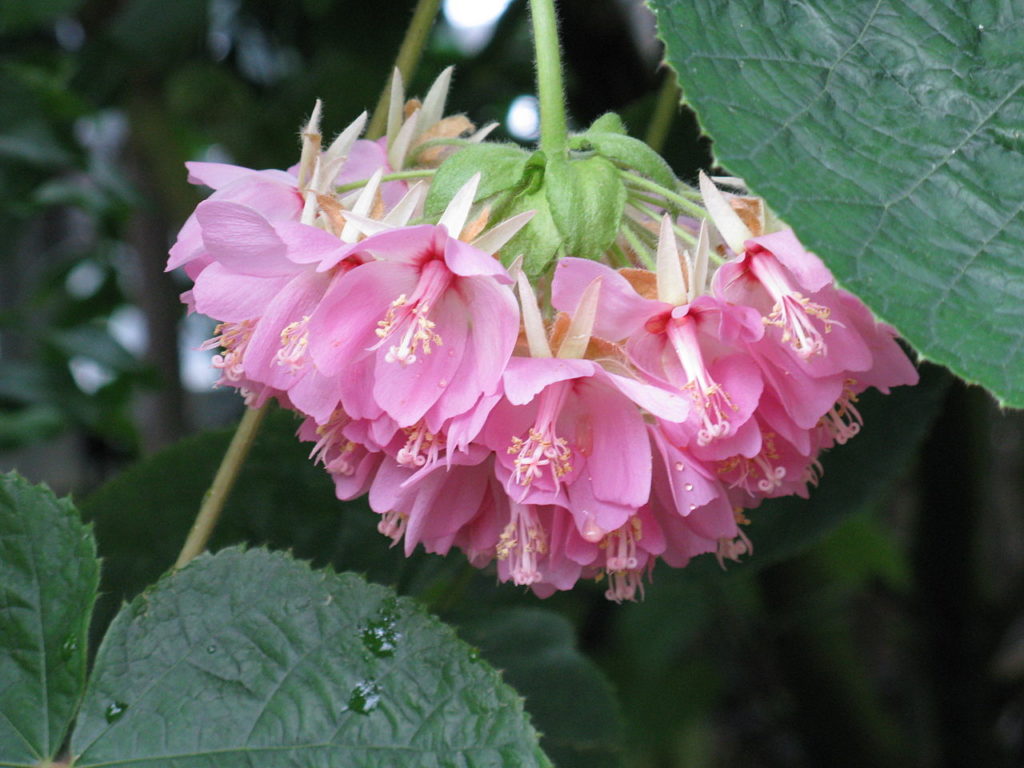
(694, 348)
(629, 552)
(433, 507)
(425, 327)
(351, 464)
(271, 192)
(256, 278)
(570, 433)
(802, 311)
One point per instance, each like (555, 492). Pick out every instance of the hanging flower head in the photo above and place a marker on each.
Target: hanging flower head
(671, 359)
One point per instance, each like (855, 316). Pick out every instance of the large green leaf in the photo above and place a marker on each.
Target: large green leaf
(888, 134)
(567, 695)
(48, 580)
(250, 658)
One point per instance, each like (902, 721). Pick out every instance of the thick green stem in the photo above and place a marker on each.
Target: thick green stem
(554, 136)
(665, 110)
(408, 59)
(223, 481)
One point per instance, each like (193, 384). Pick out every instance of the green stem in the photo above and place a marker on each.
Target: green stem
(554, 135)
(641, 249)
(665, 110)
(408, 59)
(683, 203)
(227, 473)
(398, 176)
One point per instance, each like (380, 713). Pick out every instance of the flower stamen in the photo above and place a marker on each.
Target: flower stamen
(522, 542)
(294, 341)
(233, 338)
(421, 447)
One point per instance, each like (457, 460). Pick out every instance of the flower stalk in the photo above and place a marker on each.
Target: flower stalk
(550, 90)
(223, 482)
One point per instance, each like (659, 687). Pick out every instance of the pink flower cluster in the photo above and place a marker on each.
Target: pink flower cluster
(635, 418)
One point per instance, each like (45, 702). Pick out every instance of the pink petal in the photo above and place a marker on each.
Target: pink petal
(805, 398)
(307, 244)
(229, 297)
(406, 392)
(465, 427)
(296, 300)
(242, 240)
(446, 501)
(619, 464)
(526, 377)
(355, 392)
(386, 491)
(217, 175)
(352, 486)
(188, 245)
(891, 367)
(621, 310)
(587, 506)
(495, 328)
(807, 268)
(315, 394)
(408, 245)
(658, 401)
(465, 260)
(343, 327)
(685, 483)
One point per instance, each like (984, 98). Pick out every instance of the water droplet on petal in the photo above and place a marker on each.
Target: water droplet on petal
(693, 507)
(115, 711)
(365, 697)
(592, 532)
(688, 486)
(679, 466)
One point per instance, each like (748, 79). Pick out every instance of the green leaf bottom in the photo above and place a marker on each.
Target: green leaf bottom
(49, 575)
(251, 658)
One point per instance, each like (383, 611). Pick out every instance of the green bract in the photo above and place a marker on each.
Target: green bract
(627, 153)
(586, 197)
(578, 199)
(501, 168)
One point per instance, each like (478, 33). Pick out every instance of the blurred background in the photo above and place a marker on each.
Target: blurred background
(881, 624)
